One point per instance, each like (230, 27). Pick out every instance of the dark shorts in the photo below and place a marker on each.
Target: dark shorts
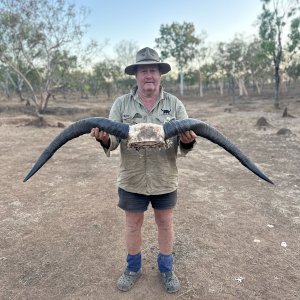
(139, 202)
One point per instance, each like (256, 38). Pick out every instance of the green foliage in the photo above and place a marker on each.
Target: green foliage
(191, 77)
(104, 74)
(273, 21)
(294, 35)
(107, 70)
(62, 63)
(293, 70)
(275, 16)
(267, 30)
(257, 60)
(36, 38)
(125, 52)
(207, 72)
(178, 41)
(230, 57)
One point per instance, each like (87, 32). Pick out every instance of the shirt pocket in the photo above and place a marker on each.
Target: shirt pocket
(165, 119)
(132, 119)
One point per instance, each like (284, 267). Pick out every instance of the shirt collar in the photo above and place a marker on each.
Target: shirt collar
(133, 93)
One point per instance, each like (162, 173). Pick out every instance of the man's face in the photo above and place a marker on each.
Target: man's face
(148, 78)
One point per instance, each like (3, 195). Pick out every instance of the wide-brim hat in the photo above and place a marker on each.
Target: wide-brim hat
(147, 56)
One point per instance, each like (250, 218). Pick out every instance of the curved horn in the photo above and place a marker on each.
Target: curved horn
(75, 130)
(204, 130)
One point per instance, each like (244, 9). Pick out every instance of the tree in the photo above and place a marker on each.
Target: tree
(208, 72)
(226, 58)
(105, 74)
(273, 20)
(294, 35)
(179, 42)
(4, 81)
(36, 37)
(293, 69)
(201, 58)
(236, 50)
(219, 66)
(257, 63)
(125, 53)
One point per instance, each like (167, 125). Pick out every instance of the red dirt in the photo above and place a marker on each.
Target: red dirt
(62, 233)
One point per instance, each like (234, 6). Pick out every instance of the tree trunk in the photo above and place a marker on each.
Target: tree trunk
(242, 87)
(19, 73)
(200, 85)
(43, 103)
(257, 86)
(276, 89)
(108, 90)
(283, 87)
(232, 88)
(277, 60)
(221, 86)
(181, 82)
(5, 89)
(241, 91)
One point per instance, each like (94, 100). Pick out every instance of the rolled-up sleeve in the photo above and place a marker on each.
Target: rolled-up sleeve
(115, 115)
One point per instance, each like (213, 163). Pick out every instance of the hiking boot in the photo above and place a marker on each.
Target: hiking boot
(128, 279)
(170, 281)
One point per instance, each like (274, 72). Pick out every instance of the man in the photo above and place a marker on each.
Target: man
(148, 175)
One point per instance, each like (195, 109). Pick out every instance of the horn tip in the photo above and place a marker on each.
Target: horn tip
(27, 177)
(267, 179)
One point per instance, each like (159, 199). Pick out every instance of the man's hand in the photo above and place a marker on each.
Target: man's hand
(187, 137)
(101, 136)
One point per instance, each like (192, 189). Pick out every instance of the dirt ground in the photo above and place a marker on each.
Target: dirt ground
(237, 237)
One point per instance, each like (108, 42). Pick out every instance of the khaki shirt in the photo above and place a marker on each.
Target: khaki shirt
(147, 171)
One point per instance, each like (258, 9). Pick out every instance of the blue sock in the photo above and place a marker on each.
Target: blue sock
(165, 262)
(134, 262)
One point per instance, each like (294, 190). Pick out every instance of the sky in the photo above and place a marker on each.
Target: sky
(140, 21)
